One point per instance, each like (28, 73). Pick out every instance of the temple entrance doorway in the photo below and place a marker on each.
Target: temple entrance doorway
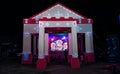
(58, 47)
(58, 42)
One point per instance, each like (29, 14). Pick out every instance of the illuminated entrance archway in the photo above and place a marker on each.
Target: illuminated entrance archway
(42, 26)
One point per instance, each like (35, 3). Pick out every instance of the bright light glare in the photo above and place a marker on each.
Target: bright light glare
(63, 37)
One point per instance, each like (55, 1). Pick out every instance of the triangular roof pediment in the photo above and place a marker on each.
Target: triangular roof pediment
(58, 10)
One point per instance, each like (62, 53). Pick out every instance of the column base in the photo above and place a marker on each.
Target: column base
(89, 57)
(41, 64)
(47, 58)
(28, 60)
(69, 58)
(75, 63)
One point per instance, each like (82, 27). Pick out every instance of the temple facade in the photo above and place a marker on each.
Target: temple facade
(57, 29)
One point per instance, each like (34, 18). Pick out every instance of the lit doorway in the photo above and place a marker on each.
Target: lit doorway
(58, 47)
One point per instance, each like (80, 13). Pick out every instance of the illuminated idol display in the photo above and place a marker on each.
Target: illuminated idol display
(58, 42)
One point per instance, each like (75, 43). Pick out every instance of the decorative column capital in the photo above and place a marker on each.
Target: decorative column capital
(41, 23)
(74, 24)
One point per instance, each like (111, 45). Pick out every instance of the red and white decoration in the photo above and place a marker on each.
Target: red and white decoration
(57, 16)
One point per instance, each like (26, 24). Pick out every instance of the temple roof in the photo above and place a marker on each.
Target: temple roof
(57, 10)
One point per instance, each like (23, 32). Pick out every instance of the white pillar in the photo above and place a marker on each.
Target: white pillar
(70, 44)
(74, 42)
(88, 42)
(46, 44)
(41, 42)
(27, 44)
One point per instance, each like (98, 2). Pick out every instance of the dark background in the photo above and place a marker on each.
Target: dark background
(104, 14)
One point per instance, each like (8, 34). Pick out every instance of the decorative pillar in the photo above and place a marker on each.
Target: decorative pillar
(75, 63)
(46, 45)
(41, 62)
(89, 54)
(26, 54)
(70, 48)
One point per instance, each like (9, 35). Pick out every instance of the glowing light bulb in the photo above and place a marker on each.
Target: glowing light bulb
(52, 39)
(64, 38)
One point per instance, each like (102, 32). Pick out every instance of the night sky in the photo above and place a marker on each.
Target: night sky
(104, 14)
